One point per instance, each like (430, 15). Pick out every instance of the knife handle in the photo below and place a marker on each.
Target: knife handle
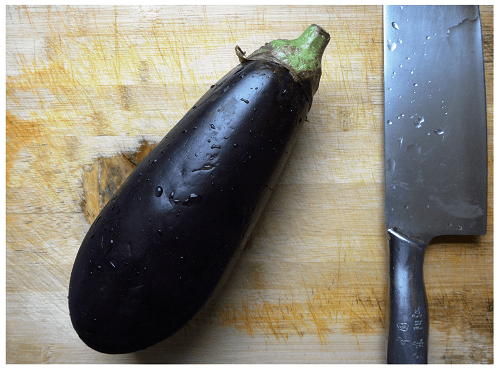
(408, 324)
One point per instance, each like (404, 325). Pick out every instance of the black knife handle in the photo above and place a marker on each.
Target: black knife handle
(408, 324)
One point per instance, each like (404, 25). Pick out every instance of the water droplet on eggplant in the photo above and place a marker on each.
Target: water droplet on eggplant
(205, 167)
(158, 191)
(193, 199)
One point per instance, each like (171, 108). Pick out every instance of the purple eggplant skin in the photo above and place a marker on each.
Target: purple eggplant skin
(160, 247)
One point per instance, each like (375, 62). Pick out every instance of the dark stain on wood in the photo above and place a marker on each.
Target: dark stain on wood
(103, 178)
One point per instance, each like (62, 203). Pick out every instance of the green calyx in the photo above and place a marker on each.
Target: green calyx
(304, 53)
(301, 56)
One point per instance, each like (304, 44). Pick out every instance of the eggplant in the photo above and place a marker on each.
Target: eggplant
(168, 238)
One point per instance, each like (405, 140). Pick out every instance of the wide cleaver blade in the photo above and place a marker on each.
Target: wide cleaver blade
(435, 151)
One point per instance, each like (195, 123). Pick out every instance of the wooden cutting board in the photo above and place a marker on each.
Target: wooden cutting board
(90, 90)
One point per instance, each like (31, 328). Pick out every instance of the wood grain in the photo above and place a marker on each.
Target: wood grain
(91, 89)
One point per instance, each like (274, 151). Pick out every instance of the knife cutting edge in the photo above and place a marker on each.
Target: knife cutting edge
(435, 152)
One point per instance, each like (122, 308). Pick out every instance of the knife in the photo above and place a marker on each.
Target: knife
(435, 152)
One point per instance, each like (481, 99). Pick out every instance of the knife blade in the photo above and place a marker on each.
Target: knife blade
(435, 152)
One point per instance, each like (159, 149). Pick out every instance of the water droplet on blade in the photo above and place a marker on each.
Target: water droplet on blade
(395, 25)
(419, 121)
(390, 165)
(414, 150)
